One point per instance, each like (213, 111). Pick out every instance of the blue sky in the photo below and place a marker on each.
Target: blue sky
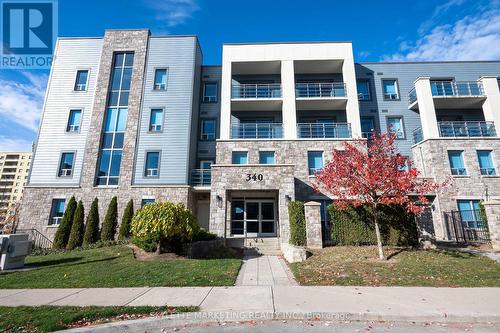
(380, 31)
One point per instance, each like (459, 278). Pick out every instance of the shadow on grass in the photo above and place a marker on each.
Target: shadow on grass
(394, 254)
(64, 261)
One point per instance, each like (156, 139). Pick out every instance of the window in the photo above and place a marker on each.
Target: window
(457, 163)
(206, 165)
(147, 201)
(74, 121)
(240, 157)
(115, 119)
(367, 127)
(66, 165)
(57, 211)
(363, 87)
(470, 214)
(156, 120)
(486, 163)
(160, 79)
(395, 125)
(266, 157)
(81, 80)
(208, 129)
(152, 164)
(314, 161)
(390, 88)
(209, 92)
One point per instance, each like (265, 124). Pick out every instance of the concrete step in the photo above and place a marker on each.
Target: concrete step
(263, 245)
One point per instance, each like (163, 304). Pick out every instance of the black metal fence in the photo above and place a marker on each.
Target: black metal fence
(39, 240)
(469, 226)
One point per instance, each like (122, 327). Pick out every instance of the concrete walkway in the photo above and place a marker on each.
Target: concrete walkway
(352, 303)
(264, 271)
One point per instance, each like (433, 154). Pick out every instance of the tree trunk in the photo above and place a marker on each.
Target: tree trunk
(381, 255)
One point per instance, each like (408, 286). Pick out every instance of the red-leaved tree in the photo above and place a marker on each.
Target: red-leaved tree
(374, 175)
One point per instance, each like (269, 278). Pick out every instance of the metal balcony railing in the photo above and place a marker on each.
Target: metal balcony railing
(466, 129)
(418, 135)
(323, 131)
(412, 96)
(256, 90)
(314, 90)
(488, 171)
(201, 177)
(257, 131)
(451, 88)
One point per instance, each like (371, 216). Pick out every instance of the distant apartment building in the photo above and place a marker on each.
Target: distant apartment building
(139, 117)
(14, 171)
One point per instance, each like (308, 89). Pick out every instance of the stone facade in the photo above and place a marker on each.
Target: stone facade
(431, 159)
(313, 225)
(492, 209)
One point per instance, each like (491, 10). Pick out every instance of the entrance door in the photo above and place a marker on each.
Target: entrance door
(252, 210)
(260, 218)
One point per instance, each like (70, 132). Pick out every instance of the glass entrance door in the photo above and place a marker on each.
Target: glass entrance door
(253, 218)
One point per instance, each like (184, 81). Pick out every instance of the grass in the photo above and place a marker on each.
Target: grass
(359, 266)
(50, 318)
(116, 266)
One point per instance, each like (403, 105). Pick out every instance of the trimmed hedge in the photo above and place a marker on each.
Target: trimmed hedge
(92, 227)
(62, 234)
(354, 226)
(77, 229)
(124, 231)
(297, 223)
(110, 223)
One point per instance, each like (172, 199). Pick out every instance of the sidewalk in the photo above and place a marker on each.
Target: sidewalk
(358, 303)
(265, 271)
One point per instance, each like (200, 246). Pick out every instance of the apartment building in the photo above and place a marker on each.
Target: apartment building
(14, 170)
(139, 116)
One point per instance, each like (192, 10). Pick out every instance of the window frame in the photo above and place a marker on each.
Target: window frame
(162, 119)
(490, 155)
(403, 127)
(368, 83)
(202, 120)
(311, 174)
(59, 167)
(239, 152)
(155, 70)
(145, 174)
(398, 92)
(69, 118)
(267, 151)
(52, 211)
(216, 92)
(75, 85)
(147, 200)
(462, 152)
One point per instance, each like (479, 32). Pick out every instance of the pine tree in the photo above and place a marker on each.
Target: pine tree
(64, 229)
(124, 232)
(108, 230)
(77, 229)
(92, 227)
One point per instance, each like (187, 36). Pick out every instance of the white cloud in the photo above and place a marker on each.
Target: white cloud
(21, 103)
(174, 12)
(14, 145)
(473, 37)
(438, 12)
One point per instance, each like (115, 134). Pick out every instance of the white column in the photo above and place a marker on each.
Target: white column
(288, 112)
(426, 108)
(491, 106)
(225, 107)
(352, 107)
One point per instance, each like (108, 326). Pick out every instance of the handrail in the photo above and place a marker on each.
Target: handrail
(323, 130)
(39, 240)
(466, 129)
(256, 90)
(257, 131)
(453, 88)
(201, 177)
(320, 89)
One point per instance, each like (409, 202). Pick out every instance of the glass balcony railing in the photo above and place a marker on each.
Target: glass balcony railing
(315, 90)
(418, 135)
(201, 177)
(323, 131)
(466, 129)
(257, 131)
(412, 96)
(450, 88)
(257, 90)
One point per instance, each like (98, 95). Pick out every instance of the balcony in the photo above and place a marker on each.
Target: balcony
(456, 129)
(256, 96)
(418, 135)
(452, 95)
(257, 131)
(323, 131)
(321, 96)
(201, 177)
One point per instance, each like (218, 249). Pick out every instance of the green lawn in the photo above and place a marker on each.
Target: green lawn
(359, 266)
(116, 267)
(51, 318)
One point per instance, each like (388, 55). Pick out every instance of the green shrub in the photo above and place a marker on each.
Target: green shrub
(203, 235)
(92, 227)
(148, 243)
(354, 226)
(297, 223)
(108, 230)
(77, 229)
(62, 234)
(169, 225)
(128, 214)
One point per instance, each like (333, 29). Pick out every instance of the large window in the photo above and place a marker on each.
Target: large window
(147, 201)
(152, 164)
(81, 80)
(367, 127)
(395, 125)
(208, 129)
(115, 120)
(66, 165)
(57, 211)
(314, 161)
(470, 213)
(486, 163)
(160, 79)
(457, 165)
(74, 121)
(210, 92)
(240, 157)
(390, 89)
(156, 120)
(266, 157)
(363, 87)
